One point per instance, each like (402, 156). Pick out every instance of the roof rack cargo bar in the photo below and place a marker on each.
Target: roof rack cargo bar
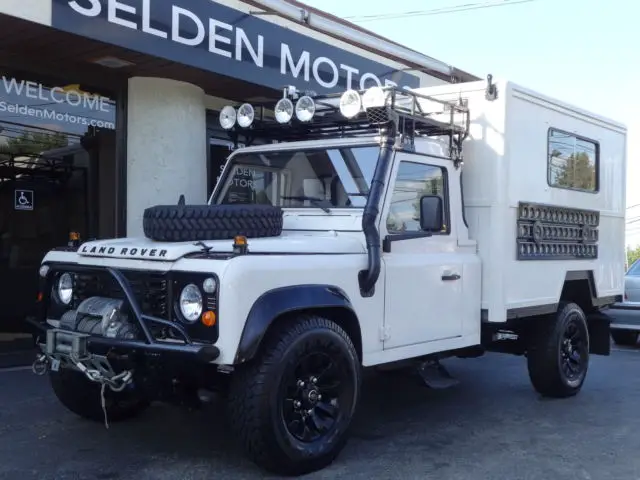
(352, 113)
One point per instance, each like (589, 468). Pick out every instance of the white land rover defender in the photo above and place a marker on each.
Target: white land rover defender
(353, 236)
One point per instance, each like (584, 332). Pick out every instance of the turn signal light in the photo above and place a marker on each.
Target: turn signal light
(208, 319)
(239, 244)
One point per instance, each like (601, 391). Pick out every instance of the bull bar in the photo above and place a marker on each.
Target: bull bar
(203, 352)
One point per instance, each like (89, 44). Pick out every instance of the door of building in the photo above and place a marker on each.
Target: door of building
(57, 175)
(44, 197)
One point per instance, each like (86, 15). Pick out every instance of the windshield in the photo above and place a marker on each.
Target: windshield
(324, 178)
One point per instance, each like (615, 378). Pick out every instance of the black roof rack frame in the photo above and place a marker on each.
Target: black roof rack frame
(403, 107)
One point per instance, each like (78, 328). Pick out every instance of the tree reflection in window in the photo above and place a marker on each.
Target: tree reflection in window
(573, 162)
(412, 182)
(32, 142)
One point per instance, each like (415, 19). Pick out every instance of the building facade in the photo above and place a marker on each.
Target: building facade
(110, 106)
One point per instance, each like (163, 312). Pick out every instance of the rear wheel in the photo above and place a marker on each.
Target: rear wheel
(558, 354)
(627, 338)
(82, 397)
(292, 407)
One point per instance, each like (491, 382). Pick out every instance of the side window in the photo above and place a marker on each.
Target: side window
(573, 162)
(412, 182)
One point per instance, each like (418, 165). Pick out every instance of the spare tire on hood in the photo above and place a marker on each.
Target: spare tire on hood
(184, 223)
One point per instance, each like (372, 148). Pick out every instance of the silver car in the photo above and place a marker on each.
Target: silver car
(632, 283)
(625, 316)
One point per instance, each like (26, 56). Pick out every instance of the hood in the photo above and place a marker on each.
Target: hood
(146, 249)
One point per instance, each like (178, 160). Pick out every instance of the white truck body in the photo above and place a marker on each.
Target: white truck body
(474, 217)
(505, 162)
(506, 158)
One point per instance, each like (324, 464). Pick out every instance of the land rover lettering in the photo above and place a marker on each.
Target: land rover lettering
(125, 251)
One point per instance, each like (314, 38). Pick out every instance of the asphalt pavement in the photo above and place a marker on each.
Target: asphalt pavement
(492, 426)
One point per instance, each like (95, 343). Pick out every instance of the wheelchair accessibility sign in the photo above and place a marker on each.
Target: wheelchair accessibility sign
(23, 200)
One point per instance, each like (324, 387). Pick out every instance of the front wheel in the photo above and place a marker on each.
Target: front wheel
(82, 397)
(292, 407)
(558, 354)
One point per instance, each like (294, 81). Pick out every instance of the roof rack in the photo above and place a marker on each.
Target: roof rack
(348, 114)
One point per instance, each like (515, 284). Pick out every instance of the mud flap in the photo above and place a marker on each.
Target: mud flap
(599, 333)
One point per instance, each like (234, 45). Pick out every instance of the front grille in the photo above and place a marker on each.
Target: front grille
(149, 288)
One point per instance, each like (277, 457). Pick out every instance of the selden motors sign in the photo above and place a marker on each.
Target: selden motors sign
(213, 37)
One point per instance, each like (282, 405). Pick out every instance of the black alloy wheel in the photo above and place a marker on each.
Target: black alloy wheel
(574, 350)
(313, 392)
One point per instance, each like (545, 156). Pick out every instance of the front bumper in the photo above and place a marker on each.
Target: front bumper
(624, 316)
(69, 344)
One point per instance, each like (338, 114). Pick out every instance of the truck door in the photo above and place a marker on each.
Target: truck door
(423, 281)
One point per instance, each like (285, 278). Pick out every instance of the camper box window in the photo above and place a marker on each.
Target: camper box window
(573, 161)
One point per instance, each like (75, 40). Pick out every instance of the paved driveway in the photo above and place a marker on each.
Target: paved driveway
(492, 426)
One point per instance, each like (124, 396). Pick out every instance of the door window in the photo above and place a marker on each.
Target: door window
(412, 182)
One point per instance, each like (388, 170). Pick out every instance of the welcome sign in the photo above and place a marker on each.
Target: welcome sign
(213, 37)
(44, 105)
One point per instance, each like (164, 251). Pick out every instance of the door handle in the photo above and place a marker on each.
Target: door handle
(450, 276)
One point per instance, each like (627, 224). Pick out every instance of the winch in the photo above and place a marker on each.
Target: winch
(66, 345)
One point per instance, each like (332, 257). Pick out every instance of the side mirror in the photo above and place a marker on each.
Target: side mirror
(431, 209)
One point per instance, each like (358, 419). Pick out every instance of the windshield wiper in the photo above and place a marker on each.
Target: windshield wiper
(318, 202)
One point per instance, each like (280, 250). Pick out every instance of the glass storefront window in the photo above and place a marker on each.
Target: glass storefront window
(57, 175)
(69, 108)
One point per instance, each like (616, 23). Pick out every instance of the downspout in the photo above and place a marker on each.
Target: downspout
(368, 278)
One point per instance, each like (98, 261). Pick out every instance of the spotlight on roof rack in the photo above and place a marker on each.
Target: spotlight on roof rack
(374, 97)
(283, 110)
(305, 108)
(350, 104)
(227, 117)
(246, 115)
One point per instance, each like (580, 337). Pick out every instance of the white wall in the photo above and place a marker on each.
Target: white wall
(166, 146)
(38, 11)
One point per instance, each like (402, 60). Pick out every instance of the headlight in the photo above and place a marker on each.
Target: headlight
(65, 288)
(191, 303)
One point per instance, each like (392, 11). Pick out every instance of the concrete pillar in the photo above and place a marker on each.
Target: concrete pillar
(166, 146)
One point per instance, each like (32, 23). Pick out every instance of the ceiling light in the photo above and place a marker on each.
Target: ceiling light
(112, 62)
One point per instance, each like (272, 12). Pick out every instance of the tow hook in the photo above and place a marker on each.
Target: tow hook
(40, 365)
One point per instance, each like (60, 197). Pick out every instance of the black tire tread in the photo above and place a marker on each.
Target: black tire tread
(249, 390)
(82, 397)
(182, 223)
(542, 355)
